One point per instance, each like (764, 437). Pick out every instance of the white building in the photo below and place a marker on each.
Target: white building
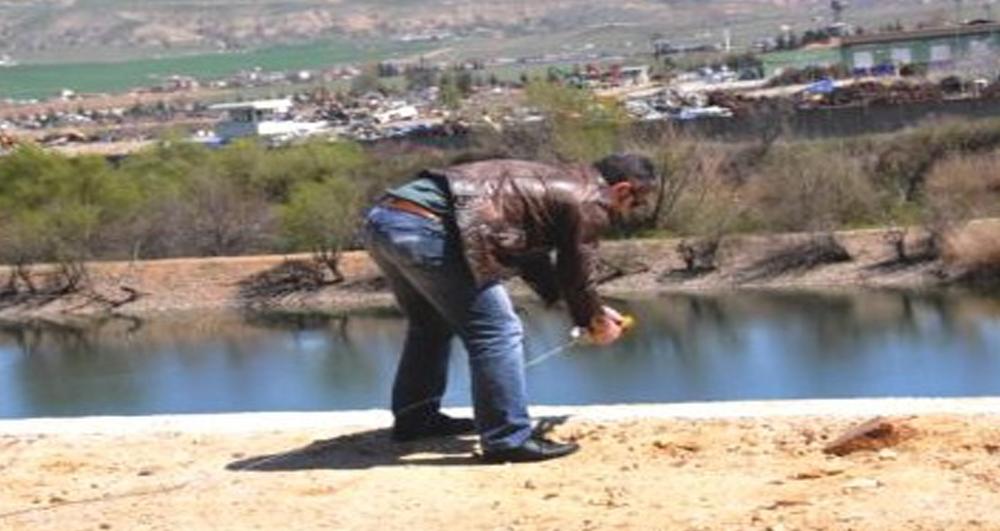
(265, 118)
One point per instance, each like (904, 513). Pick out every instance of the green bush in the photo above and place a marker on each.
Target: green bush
(174, 199)
(580, 126)
(322, 217)
(56, 208)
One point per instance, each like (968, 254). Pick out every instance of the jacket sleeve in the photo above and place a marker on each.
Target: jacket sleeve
(539, 273)
(576, 259)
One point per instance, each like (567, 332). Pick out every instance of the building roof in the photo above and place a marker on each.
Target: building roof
(259, 105)
(928, 33)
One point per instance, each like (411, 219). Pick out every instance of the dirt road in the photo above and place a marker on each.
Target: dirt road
(763, 473)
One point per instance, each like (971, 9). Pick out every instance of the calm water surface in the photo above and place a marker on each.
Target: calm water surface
(686, 348)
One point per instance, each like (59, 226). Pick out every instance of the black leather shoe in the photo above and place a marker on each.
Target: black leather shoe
(439, 425)
(534, 449)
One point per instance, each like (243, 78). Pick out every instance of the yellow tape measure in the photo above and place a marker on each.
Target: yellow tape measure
(581, 335)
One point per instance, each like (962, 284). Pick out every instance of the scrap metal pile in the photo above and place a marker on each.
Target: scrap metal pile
(739, 104)
(859, 94)
(799, 76)
(672, 105)
(376, 116)
(874, 93)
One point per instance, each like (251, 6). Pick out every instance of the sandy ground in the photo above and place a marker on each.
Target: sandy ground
(633, 473)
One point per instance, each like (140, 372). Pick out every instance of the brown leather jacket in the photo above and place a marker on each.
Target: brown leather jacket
(511, 215)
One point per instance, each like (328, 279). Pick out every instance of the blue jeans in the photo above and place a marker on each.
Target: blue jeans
(423, 263)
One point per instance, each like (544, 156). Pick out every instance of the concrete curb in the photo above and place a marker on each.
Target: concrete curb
(275, 422)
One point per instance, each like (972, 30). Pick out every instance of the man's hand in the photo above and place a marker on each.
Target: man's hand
(607, 327)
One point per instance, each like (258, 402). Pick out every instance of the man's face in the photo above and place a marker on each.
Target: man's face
(626, 198)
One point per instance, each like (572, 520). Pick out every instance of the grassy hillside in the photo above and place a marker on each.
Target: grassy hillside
(88, 30)
(215, 37)
(42, 80)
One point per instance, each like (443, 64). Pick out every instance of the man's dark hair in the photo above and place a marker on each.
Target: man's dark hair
(627, 166)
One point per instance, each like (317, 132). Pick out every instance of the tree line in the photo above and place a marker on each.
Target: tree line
(180, 199)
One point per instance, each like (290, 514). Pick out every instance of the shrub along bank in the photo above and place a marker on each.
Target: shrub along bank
(181, 199)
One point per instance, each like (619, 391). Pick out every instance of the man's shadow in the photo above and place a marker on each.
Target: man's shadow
(373, 448)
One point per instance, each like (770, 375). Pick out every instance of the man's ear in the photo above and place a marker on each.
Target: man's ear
(621, 191)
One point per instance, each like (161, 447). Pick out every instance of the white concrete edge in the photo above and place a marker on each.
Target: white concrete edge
(281, 421)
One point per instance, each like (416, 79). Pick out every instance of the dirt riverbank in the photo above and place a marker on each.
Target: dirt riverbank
(632, 266)
(651, 473)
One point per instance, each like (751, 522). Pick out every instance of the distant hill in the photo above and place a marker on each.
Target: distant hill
(84, 30)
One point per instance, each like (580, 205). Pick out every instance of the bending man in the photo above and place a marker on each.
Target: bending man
(447, 239)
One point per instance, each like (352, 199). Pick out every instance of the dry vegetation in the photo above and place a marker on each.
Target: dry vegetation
(180, 200)
(973, 256)
(939, 176)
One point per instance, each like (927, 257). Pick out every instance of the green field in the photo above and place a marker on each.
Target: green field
(41, 81)
(45, 35)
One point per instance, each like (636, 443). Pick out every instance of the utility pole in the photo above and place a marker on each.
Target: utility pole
(958, 12)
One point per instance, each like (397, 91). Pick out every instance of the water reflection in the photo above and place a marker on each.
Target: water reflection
(747, 345)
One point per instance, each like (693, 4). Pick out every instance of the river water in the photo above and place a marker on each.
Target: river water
(733, 346)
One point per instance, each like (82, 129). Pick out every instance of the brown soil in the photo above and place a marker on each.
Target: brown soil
(643, 266)
(637, 474)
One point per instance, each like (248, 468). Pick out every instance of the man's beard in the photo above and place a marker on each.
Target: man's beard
(628, 220)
